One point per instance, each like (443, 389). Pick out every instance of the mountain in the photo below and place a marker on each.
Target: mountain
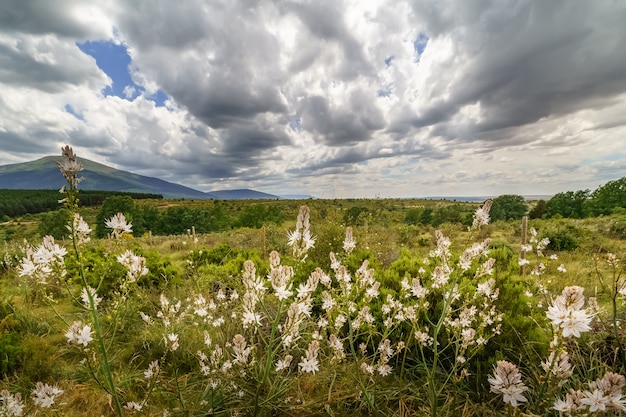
(241, 195)
(43, 174)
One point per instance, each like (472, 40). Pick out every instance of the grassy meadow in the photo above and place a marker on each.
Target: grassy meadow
(323, 313)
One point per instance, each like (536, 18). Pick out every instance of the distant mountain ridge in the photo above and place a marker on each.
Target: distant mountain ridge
(43, 174)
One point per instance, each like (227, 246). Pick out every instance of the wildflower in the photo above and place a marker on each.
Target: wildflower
(481, 216)
(558, 365)
(507, 380)
(84, 296)
(349, 243)
(118, 225)
(571, 404)
(135, 265)
(11, 405)
(69, 166)
(310, 364)
(526, 248)
(596, 400)
(367, 368)
(79, 230)
(133, 406)
(283, 363)
(384, 370)
(561, 268)
(172, 340)
(45, 395)
(240, 350)
(152, 371)
(300, 239)
(610, 385)
(566, 312)
(41, 262)
(79, 334)
(423, 338)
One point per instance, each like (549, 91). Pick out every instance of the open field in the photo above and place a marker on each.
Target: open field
(402, 320)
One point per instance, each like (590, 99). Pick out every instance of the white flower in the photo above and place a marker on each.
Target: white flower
(507, 380)
(80, 229)
(118, 225)
(153, 370)
(309, 365)
(384, 370)
(596, 400)
(85, 297)
(79, 334)
(566, 312)
(135, 265)
(283, 363)
(133, 406)
(349, 243)
(11, 405)
(481, 216)
(513, 394)
(45, 395)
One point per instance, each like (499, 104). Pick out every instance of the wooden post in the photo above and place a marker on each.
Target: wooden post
(264, 241)
(522, 255)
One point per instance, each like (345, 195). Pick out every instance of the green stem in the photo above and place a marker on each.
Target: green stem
(268, 358)
(370, 402)
(97, 328)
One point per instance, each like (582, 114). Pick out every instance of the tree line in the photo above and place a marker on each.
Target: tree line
(15, 203)
(213, 216)
(607, 199)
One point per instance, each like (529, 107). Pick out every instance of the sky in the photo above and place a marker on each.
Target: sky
(329, 98)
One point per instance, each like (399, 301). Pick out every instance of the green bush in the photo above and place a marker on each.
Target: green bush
(561, 240)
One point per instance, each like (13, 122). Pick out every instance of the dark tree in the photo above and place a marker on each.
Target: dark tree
(539, 210)
(508, 207)
(609, 197)
(571, 204)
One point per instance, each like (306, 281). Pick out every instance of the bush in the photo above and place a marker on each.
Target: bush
(561, 240)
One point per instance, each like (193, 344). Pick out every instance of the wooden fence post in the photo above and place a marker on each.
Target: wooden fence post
(522, 255)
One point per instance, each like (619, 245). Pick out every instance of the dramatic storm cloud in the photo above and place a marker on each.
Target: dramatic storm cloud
(333, 98)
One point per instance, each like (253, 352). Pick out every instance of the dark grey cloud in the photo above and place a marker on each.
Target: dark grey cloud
(354, 122)
(523, 61)
(43, 17)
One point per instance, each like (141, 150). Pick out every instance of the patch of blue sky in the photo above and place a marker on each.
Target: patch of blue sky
(389, 60)
(296, 124)
(68, 108)
(114, 60)
(386, 91)
(419, 45)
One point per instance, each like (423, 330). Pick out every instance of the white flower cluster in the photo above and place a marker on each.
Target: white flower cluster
(135, 265)
(79, 229)
(41, 262)
(300, 239)
(45, 395)
(79, 334)
(11, 405)
(70, 167)
(507, 381)
(118, 225)
(481, 216)
(603, 395)
(567, 314)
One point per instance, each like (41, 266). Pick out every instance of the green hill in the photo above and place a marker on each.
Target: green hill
(43, 174)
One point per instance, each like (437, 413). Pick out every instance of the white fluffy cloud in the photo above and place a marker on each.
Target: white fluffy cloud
(332, 98)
